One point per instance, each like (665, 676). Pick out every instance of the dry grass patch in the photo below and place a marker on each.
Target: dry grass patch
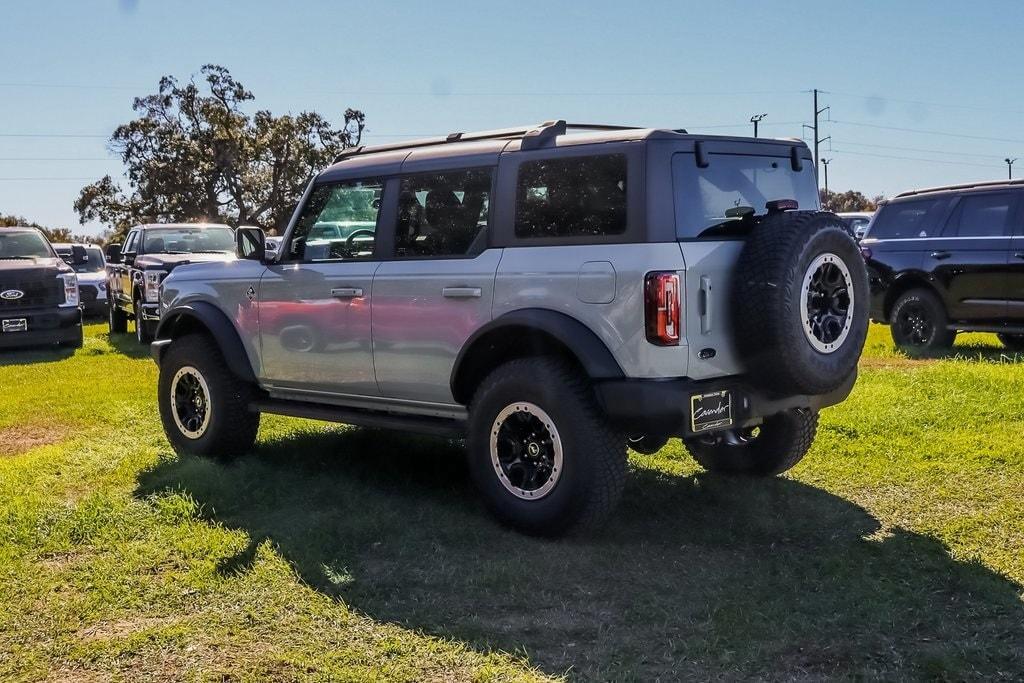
(15, 439)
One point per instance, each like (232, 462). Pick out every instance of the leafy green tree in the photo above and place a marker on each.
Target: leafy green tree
(194, 154)
(851, 200)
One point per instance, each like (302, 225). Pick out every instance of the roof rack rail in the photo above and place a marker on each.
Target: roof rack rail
(961, 186)
(533, 136)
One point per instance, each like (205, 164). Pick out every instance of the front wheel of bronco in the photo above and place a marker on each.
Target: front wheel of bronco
(203, 407)
(769, 449)
(540, 450)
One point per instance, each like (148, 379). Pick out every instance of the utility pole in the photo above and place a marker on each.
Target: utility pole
(1009, 165)
(755, 119)
(824, 165)
(817, 140)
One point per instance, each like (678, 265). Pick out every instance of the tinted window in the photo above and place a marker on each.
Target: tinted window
(443, 214)
(574, 197)
(339, 222)
(23, 245)
(186, 240)
(730, 181)
(981, 215)
(901, 220)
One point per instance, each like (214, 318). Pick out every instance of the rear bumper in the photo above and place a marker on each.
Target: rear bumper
(663, 406)
(52, 325)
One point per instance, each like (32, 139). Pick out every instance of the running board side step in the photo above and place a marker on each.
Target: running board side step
(1007, 329)
(433, 426)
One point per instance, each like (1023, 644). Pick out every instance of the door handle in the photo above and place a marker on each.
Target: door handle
(462, 292)
(1019, 254)
(939, 255)
(347, 292)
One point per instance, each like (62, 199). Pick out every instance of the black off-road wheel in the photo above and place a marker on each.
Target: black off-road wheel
(204, 408)
(540, 450)
(769, 449)
(1013, 342)
(800, 297)
(117, 321)
(143, 331)
(918, 322)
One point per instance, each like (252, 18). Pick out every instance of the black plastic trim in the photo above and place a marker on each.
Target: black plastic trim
(219, 327)
(362, 418)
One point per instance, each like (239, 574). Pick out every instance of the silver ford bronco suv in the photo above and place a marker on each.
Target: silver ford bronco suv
(551, 294)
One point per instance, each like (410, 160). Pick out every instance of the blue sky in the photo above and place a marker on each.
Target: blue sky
(937, 84)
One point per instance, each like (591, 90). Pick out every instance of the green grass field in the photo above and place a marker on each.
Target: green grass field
(894, 551)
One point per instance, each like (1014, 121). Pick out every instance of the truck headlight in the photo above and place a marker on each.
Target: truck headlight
(70, 281)
(152, 285)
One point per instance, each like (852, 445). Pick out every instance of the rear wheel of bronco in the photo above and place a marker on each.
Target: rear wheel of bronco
(918, 321)
(771, 448)
(1014, 342)
(540, 450)
(203, 407)
(116, 319)
(801, 302)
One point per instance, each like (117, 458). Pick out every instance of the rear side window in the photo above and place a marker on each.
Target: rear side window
(902, 220)
(443, 214)
(983, 215)
(572, 197)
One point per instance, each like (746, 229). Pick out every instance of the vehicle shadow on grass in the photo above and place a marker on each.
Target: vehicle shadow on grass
(127, 345)
(697, 576)
(33, 355)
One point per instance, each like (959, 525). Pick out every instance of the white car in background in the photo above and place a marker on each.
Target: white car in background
(92, 277)
(859, 222)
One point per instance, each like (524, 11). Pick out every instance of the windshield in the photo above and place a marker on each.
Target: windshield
(731, 181)
(24, 245)
(185, 240)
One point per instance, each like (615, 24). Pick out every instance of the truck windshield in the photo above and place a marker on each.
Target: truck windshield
(24, 245)
(731, 181)
(184, 240)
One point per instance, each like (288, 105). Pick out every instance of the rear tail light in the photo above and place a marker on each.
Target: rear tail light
(661, 297)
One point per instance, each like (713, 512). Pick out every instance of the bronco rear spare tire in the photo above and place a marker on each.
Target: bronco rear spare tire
(800, 302)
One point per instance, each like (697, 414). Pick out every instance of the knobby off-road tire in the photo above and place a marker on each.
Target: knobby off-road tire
(117, 321)
(918, 322)
(220, 424)
(143, 332)
(540, 450)
(800, 298)
(774, 447)
(1013, 342)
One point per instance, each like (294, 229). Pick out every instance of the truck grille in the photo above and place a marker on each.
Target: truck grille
(87, 293)
(48, 292)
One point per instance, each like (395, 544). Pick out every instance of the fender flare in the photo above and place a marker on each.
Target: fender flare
(592, 353)
(219, 326)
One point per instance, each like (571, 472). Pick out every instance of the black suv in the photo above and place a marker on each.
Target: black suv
(947, 259)
(136, 268)
(38, 291)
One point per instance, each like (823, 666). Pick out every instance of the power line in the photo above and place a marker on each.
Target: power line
(57, 159)
(931, 104)
(917, 149)
(51, 135)
(926, 132)
(930, 161)
(44, 178)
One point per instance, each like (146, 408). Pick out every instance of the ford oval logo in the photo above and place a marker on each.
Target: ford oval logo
(12, 294)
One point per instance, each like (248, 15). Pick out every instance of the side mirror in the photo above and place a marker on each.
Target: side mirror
(78, 255)
(250, 243)
(113, 253)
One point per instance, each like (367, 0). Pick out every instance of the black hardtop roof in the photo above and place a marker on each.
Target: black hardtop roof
(978, 186)
(524, 138)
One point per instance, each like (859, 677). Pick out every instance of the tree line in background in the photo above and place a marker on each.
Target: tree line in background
(193, 154)
(851, 200)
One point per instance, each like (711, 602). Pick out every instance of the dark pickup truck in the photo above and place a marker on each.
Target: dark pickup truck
(38, 292)
(136, 268)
